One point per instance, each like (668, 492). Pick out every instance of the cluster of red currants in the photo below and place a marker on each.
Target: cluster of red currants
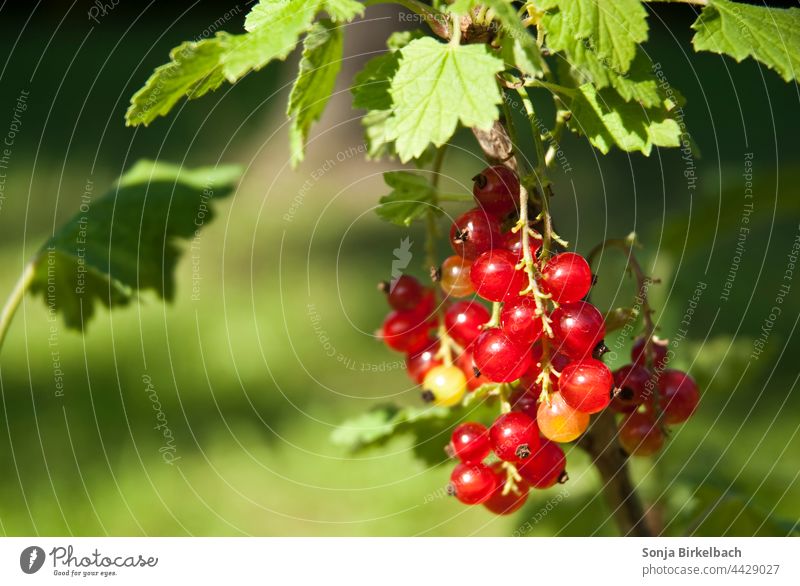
(541, 350)
(651, 396)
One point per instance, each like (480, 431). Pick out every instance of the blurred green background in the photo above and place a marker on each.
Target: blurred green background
(277, 348)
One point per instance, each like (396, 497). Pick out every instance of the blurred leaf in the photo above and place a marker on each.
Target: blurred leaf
(437, 86)
(768, 35)
(715, 513)
(618, 317)
(412, 196)
(429, 427)
(319, 67)
(127, 240)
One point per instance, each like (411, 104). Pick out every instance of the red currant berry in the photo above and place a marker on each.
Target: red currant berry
(513, 241)
(470, 442)
(496, 190)
(446, 385)
(495, 276)
(455, 280)
(567, 277)
(505, 504)
(514, 437)
(546, 467)
(524, 402)
(586, 385)
(658, 349)
(475, 378)
(577, 328)
(498, 358)
(520, 322)
(634, 387)
(464, 319)
(419, 363)
(679, 396)
(473, 483)
(640, 435)
(473, 233)
(558, 421)
(404, 331)
(403, 293)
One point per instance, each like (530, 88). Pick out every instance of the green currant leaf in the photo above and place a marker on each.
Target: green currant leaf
(412, 197)
(343, 10)
(371, 84)
(607, 120)
(127, 240)
(436, 87)
(638, 84)
(371, 91)
(194, 69)
(768, 35)
(274, 28)
(518, 44)
(319, 66)
(612, 28)
(376, 132)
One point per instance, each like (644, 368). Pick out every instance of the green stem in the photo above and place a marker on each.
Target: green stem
(541, 175)
(642, 281)
(15, 299)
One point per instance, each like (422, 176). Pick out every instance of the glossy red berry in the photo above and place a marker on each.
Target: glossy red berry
(464, 319)
(546, 466)
(558, 421)
(473, 483)
(586, 385)
(496, 189)
(470, 442)
(514, 437)
(498, 358)
(640, 434)
(634, 386)
(495, 276)
(679, 396)
(513, 241)
(525, 402)
(419, 363)
(404, 331)
(658, 348)
(505, 504)
(475, 232)
(455, 278)
(520, 322)
(475, 378)
(577, 328)
(567, 277)
(403, 293)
